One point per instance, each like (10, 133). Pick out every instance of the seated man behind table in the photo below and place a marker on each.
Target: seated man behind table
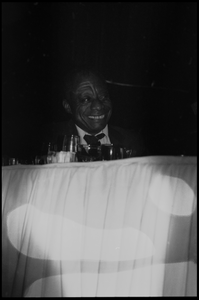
(88, 102)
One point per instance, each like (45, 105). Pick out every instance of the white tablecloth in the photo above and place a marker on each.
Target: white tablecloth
(117, 228)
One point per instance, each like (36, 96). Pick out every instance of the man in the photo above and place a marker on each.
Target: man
(87, 101)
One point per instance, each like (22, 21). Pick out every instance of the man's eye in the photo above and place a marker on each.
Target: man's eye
(85, 99)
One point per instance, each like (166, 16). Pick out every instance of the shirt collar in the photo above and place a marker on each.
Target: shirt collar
(82, 133)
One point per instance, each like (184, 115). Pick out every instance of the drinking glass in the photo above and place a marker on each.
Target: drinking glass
(130, 153)
(112, 152)
(70, 143)
(88, 153)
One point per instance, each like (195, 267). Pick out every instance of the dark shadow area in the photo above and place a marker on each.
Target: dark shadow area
(150, 46)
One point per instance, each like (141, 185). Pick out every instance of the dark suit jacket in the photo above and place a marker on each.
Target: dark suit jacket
(118, 136)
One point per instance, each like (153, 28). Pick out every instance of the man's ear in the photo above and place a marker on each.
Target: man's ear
(67, 107)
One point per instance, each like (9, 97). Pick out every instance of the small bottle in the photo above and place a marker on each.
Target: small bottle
(70, 147)
(51, 152)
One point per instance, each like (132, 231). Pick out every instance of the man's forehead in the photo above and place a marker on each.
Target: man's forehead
(91, 81)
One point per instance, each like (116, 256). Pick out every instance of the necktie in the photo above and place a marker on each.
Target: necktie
(93, 139)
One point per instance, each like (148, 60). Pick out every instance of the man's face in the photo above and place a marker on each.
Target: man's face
(90, 105)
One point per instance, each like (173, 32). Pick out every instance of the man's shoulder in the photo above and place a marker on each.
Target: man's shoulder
(130, 139)
(120, 130)
(123, 134)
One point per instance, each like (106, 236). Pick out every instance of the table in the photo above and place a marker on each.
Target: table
(111, 228)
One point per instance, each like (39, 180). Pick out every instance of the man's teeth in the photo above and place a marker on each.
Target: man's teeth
(97, 117)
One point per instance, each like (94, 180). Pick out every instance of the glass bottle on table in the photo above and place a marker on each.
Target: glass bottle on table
(51, 153)
(70, 143)
(70, 147)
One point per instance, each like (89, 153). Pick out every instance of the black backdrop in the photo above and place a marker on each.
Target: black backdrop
(145, 50)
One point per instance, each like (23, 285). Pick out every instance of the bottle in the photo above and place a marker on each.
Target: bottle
(69, 149)
(51, 153)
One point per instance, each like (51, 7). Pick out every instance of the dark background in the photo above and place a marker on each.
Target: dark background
(150, 46)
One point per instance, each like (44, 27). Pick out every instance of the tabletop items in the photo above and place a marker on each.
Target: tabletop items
(102, 152)
(68, 149)
(10, 161)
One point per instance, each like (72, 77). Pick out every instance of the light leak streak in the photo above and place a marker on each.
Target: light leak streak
(144, 86)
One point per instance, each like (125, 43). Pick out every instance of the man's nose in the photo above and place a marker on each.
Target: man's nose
(96, 104)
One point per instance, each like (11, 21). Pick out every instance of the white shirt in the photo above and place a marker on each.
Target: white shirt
(82, 133)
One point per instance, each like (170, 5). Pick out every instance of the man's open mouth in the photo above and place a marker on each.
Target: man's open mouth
(96, 117)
